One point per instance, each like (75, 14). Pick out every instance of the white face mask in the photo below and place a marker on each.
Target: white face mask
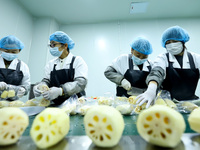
(174, 48)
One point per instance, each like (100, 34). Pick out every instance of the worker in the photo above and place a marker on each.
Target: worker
(176, 71)
(131, 70)
(14, 73)
(66, 74)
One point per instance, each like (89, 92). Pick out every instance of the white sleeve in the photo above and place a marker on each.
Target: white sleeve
(47, 71)
(196, 60)
(80, 78)
(161, 61)
(81, 68)
(26, 78)
(120, 64)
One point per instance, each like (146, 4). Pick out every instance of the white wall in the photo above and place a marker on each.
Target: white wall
(39, 52)
(15, 20)
(117, 37)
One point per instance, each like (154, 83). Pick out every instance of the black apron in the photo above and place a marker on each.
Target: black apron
(11, 76)
(137, 78)
(59, 77)
(181, 83)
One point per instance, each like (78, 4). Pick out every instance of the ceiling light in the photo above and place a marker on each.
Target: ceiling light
(138, 7)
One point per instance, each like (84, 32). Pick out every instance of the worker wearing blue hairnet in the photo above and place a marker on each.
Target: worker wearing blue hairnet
(13, 72)
(176, 71)
(131, 70)
(66, 75)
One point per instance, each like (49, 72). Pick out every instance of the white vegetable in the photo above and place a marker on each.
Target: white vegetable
(161, 125)
(13, 122)
(170, 104)
(49, 127)
(194, 120)
(4, 94)
(104, 125)
(11, 93)
(125, 109)
(16, 103)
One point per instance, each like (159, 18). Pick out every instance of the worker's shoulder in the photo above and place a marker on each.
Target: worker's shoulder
(79, 58)
(123, 56)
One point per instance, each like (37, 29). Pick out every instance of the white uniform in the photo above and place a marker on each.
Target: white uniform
(81, 68)
(24, 68)
(121, 64)
(80, 77)
(161, 61)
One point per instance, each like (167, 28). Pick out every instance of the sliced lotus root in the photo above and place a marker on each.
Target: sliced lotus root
(32, 102)
(161, 125)
(104, 125)
(44, 102)
(4, 94)
(124, 99)
(189, 106)
(132, 100)
(11, 93)
(160, 101)
(4, 103)
(83, 110)
(194, 120)
(69, 109)
(43, 88)
(125, 109)
(105, 101)
(81, 100)
(170, 104)
(49, 127)
(13, 122)
(138, 109)
(17, 103)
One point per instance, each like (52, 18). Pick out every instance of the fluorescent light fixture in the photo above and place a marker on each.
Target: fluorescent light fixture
(138, 7)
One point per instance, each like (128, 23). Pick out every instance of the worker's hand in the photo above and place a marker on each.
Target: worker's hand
(36, 90)
(148, 96)
(21, 92)
(53, 93)
(3, 85)
(126, 84)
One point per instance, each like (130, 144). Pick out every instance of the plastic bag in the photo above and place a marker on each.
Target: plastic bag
(69, 105)
(186, 106)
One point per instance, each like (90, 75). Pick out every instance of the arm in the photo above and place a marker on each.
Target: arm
(157, 75)
(80, 78)
(26, 79)
(74, 87)
(112, 75)
(46, 79)
(154, 81)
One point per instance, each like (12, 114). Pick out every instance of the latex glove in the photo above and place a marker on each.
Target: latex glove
(53, 93)
(21, 92)
(126, 84)
(3, 85)
(36, 90)
(148, 96)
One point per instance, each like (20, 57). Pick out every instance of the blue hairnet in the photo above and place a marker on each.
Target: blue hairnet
(11, 42)
(62, 37)
(175, 33)
(142, 45)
